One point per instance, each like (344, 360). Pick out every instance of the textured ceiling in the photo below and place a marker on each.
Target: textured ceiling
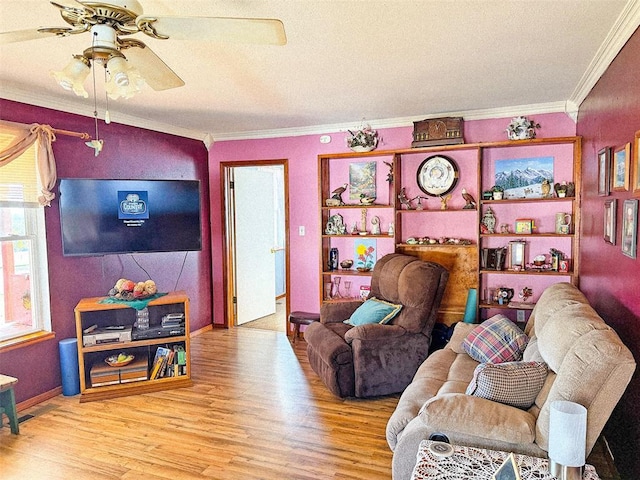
(388, 62)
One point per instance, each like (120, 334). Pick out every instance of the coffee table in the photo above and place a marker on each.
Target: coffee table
(479, 464)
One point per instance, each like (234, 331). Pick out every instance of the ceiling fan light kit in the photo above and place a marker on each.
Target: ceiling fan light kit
(111, 21)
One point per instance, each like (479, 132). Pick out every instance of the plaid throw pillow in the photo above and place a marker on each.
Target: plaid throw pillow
(496, 340)
(512, 383)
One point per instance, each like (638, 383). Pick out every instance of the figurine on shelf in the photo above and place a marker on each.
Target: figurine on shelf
(375, 226)
(365, 200)
(404, 200)
(546, 188)
(337, 193)
(561, 189)
(471, 202)
(391, 231)
(488, 224)
(443, 201)
(525, 293)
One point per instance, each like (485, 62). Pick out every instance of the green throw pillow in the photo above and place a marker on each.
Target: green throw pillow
(374, 311)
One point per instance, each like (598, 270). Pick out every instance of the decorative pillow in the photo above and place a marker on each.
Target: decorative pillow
(512, 383)
(373, 311)
(496, 340)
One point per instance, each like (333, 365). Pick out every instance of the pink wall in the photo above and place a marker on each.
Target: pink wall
(128, 153)
(302, 153)
(608, 118)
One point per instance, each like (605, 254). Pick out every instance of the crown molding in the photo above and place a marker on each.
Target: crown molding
(23, 96)
(626, 24)
(484, 114)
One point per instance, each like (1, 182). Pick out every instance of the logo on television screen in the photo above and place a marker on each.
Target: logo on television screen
(133, 205)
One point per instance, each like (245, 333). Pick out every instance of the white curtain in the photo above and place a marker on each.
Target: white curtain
(25, 136)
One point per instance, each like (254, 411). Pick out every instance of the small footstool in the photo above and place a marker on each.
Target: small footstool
(301, 318)
(8, 402)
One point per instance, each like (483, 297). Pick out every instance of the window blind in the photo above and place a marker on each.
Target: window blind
(18, 179)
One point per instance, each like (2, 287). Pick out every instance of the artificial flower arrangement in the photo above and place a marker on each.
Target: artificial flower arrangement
(522, 128)
(363, 140)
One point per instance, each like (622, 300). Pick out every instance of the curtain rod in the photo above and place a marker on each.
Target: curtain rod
(82, 135)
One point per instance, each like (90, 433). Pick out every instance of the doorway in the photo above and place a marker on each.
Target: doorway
(255, 229)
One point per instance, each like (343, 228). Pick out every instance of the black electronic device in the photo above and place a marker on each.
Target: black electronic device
(157, 332)
(100, 217)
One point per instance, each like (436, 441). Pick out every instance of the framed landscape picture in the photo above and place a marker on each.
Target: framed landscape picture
(620, 175)
(635, 165)
(604, 168)
(630, 228)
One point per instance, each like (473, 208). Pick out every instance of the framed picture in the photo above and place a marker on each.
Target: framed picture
(514, 178)
(610, 210)
(635, 165)
(630, 228)
(362, 180)
(508, 470)
(620, 174)
(604, 164)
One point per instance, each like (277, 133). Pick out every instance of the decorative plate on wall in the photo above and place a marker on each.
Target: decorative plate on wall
(437, 175)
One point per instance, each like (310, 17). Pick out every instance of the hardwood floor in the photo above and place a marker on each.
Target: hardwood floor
(256, 411)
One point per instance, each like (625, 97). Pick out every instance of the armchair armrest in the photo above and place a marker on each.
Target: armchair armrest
(338, 311)
(478, 417)
(374, 331)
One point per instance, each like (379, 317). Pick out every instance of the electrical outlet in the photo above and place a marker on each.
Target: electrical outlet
(301, 230)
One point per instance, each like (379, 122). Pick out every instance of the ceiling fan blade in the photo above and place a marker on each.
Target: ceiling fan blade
(24, 35)
(154, 71)
(218, 29)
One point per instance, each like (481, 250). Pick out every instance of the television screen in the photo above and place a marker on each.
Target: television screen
(101, 217)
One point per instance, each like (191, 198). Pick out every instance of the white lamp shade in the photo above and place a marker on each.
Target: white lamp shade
(73, 76)
(567, 433)
(124, 80)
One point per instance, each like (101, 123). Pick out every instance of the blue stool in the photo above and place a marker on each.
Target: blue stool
(8, 402)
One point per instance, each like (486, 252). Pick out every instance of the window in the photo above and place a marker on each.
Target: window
(24, 278)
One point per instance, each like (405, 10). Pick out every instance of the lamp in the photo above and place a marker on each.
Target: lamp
(73, 75)
(124, 80)
(567, 440)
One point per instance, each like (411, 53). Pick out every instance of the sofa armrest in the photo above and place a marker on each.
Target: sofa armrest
(374, 331)
(337, 312)
(478, 417)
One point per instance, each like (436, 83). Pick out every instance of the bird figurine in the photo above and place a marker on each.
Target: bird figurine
(337, 193)
(546, 188)
(404, 200)
(443, 201)
(471, 202)
(365, 200)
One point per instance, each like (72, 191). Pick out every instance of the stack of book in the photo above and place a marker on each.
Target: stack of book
(169, 362)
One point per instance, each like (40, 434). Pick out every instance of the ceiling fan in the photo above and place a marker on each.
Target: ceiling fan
(112, 22)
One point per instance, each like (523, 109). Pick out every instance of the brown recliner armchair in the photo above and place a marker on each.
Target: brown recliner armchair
(374, 359)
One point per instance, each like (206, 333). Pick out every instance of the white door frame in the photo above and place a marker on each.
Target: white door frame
(228, 240)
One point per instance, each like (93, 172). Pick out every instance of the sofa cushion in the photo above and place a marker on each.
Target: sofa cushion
(373, 311)
(496, 340)
(479, 418)
(512, 383)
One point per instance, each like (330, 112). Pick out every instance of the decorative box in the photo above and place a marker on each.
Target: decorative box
(438, 131)
(525, 225)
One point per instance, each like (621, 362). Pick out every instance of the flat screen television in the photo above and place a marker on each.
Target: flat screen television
(101, 217)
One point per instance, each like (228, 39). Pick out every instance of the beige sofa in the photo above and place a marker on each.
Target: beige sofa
(587, 362)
